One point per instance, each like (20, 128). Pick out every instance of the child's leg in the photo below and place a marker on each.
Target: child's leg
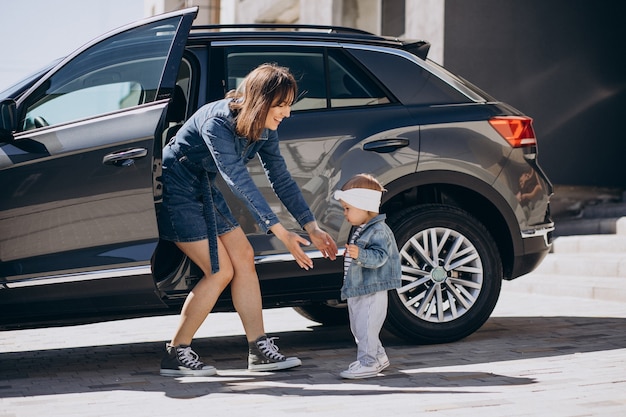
(367, 315)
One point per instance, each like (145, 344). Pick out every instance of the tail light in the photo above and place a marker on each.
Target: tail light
(518, 131)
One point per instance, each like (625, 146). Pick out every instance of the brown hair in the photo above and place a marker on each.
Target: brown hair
(266, 86)
(366, 181)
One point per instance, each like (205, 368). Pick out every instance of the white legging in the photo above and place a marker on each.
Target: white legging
(367, 315)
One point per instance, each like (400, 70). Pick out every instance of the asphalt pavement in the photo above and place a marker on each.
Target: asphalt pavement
(543, 352)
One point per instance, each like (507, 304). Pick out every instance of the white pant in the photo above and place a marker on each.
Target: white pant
(367, 315)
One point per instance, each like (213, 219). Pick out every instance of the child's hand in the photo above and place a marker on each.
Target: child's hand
(352, 251)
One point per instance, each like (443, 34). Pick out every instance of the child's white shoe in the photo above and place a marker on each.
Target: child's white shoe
(357, 371)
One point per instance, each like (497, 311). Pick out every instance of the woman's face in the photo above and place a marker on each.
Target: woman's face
(276, 114)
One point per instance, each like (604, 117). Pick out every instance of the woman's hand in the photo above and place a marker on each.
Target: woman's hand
(294, 243)
(322, 240)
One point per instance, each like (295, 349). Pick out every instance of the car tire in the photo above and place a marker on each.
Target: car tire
(324, 314)
(443, 298)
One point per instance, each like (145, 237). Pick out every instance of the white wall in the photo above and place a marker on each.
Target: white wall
(425, 20)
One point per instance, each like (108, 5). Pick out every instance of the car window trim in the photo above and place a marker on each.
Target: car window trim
(471, 95)
(315, 44)
(223, 43)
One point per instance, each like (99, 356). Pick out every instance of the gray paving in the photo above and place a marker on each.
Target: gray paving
(549, 349)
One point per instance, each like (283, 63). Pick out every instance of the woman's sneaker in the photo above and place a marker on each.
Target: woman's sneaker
(263, 355)
(183, 361)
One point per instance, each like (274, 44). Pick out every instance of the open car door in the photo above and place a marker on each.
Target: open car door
(77, 210)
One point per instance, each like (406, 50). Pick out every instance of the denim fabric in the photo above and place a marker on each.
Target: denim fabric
(207, 145)
(377, 268)
(182, 217)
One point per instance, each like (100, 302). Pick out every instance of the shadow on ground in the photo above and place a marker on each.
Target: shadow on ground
(324, 351)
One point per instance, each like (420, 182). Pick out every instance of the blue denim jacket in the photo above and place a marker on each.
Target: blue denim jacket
(377, 268)
(208, 141)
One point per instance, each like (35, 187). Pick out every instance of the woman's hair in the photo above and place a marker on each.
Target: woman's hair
(366, 181)
(266, 86)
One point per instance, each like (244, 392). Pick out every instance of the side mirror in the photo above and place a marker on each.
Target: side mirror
(8, 110)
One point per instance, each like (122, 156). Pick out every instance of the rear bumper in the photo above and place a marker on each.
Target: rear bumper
(536, 245)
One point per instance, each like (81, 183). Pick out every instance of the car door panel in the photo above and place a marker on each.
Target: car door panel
(77, 209)
(65, 208)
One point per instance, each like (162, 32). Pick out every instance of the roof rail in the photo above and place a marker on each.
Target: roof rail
(274, 26)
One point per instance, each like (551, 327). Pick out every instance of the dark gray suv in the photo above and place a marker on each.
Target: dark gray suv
(80, 151)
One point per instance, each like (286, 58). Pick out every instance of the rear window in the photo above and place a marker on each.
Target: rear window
(409, 82)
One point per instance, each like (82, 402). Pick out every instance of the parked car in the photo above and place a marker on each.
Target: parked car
(80, 158)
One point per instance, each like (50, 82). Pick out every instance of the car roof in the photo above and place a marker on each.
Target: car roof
(298, 32)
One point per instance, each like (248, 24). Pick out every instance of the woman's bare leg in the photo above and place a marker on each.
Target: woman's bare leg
(244, 287)
(204, 295)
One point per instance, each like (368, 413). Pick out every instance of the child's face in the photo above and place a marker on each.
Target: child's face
(355, 216)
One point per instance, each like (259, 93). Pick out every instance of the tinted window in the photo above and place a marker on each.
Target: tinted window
(349, 85)
(343, 84)
(409, 82)
(117, 73)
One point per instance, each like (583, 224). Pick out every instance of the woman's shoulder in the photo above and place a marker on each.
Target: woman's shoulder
(218, 109)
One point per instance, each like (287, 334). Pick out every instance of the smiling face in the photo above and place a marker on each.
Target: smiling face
(276, 114)
(263, 100)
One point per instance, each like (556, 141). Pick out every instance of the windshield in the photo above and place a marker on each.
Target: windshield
(18, 88)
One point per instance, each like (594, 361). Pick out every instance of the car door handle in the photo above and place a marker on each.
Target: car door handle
(124, 158)
(386, 145)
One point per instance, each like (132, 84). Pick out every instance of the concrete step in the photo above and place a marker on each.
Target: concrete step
(596, 288)
(590, 218)
(590, 244)
(582, 266)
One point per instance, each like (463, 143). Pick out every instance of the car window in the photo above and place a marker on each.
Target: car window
(409, 82)
(120, 72)
(349, 85)
(326, 77)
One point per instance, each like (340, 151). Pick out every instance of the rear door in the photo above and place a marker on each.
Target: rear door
(344, 122)
(76, 196)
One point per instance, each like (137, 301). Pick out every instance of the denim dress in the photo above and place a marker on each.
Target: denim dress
(206, 145)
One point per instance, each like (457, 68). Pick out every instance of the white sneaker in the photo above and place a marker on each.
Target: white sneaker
(358, 371)
(382, 361)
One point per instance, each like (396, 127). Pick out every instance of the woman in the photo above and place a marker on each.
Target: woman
(220, 138)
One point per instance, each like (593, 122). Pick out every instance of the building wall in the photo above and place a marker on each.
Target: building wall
(559, 62)
(208, 12)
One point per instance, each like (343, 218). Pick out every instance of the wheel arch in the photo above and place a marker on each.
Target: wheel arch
(463, 191)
